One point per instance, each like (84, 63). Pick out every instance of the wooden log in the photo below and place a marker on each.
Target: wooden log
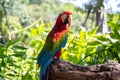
(63, 70)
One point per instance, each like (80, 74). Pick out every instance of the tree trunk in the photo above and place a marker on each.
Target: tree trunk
(99, 18)
(88, 13)
(63, 70)
(4, 14)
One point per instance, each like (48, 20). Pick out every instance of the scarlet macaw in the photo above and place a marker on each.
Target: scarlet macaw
(55, 40)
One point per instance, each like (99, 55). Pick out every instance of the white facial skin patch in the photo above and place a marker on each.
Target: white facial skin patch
(64, 16)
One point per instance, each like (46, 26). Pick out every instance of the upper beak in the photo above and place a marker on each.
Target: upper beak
(69, 19)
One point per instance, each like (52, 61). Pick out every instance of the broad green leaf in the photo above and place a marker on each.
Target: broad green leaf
(19, 47)
(101, 48)
(94, 43)
(33, 31)
(92, 32)
(1, 44)
(27, 76)
(103, 38)
(82, 35)
(90, 49)
(11, 42)
(21, 54)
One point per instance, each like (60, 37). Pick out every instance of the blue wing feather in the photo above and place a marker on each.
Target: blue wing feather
(44, 57)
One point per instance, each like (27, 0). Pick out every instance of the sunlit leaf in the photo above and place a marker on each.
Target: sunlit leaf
(19, 47)
(82, 35)
(94, 43)
(11, 42)
(27, 76)
(1, 44)
(92, 33)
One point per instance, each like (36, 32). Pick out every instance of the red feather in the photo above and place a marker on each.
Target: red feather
(58, 54)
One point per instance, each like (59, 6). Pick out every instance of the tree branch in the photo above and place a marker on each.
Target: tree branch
(63, 70)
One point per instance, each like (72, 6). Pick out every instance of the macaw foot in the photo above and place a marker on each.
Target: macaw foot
(55, 59)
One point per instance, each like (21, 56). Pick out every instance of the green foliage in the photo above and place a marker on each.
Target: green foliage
(87, 48)
(24, 12)
(81, 47)
(18, 55)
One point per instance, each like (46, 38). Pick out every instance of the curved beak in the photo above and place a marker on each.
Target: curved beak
(66, 19)
(69, 19)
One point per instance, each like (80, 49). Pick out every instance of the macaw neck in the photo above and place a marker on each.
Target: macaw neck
(61, 27)
(58, 28)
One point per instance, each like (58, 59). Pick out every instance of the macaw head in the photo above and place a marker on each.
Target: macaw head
(64, 18)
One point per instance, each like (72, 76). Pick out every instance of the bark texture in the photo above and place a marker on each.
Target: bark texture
(63, 70)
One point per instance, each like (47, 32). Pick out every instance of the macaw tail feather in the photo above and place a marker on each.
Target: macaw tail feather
(44, 71)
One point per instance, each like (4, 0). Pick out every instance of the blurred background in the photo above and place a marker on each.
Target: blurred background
(94, 36)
